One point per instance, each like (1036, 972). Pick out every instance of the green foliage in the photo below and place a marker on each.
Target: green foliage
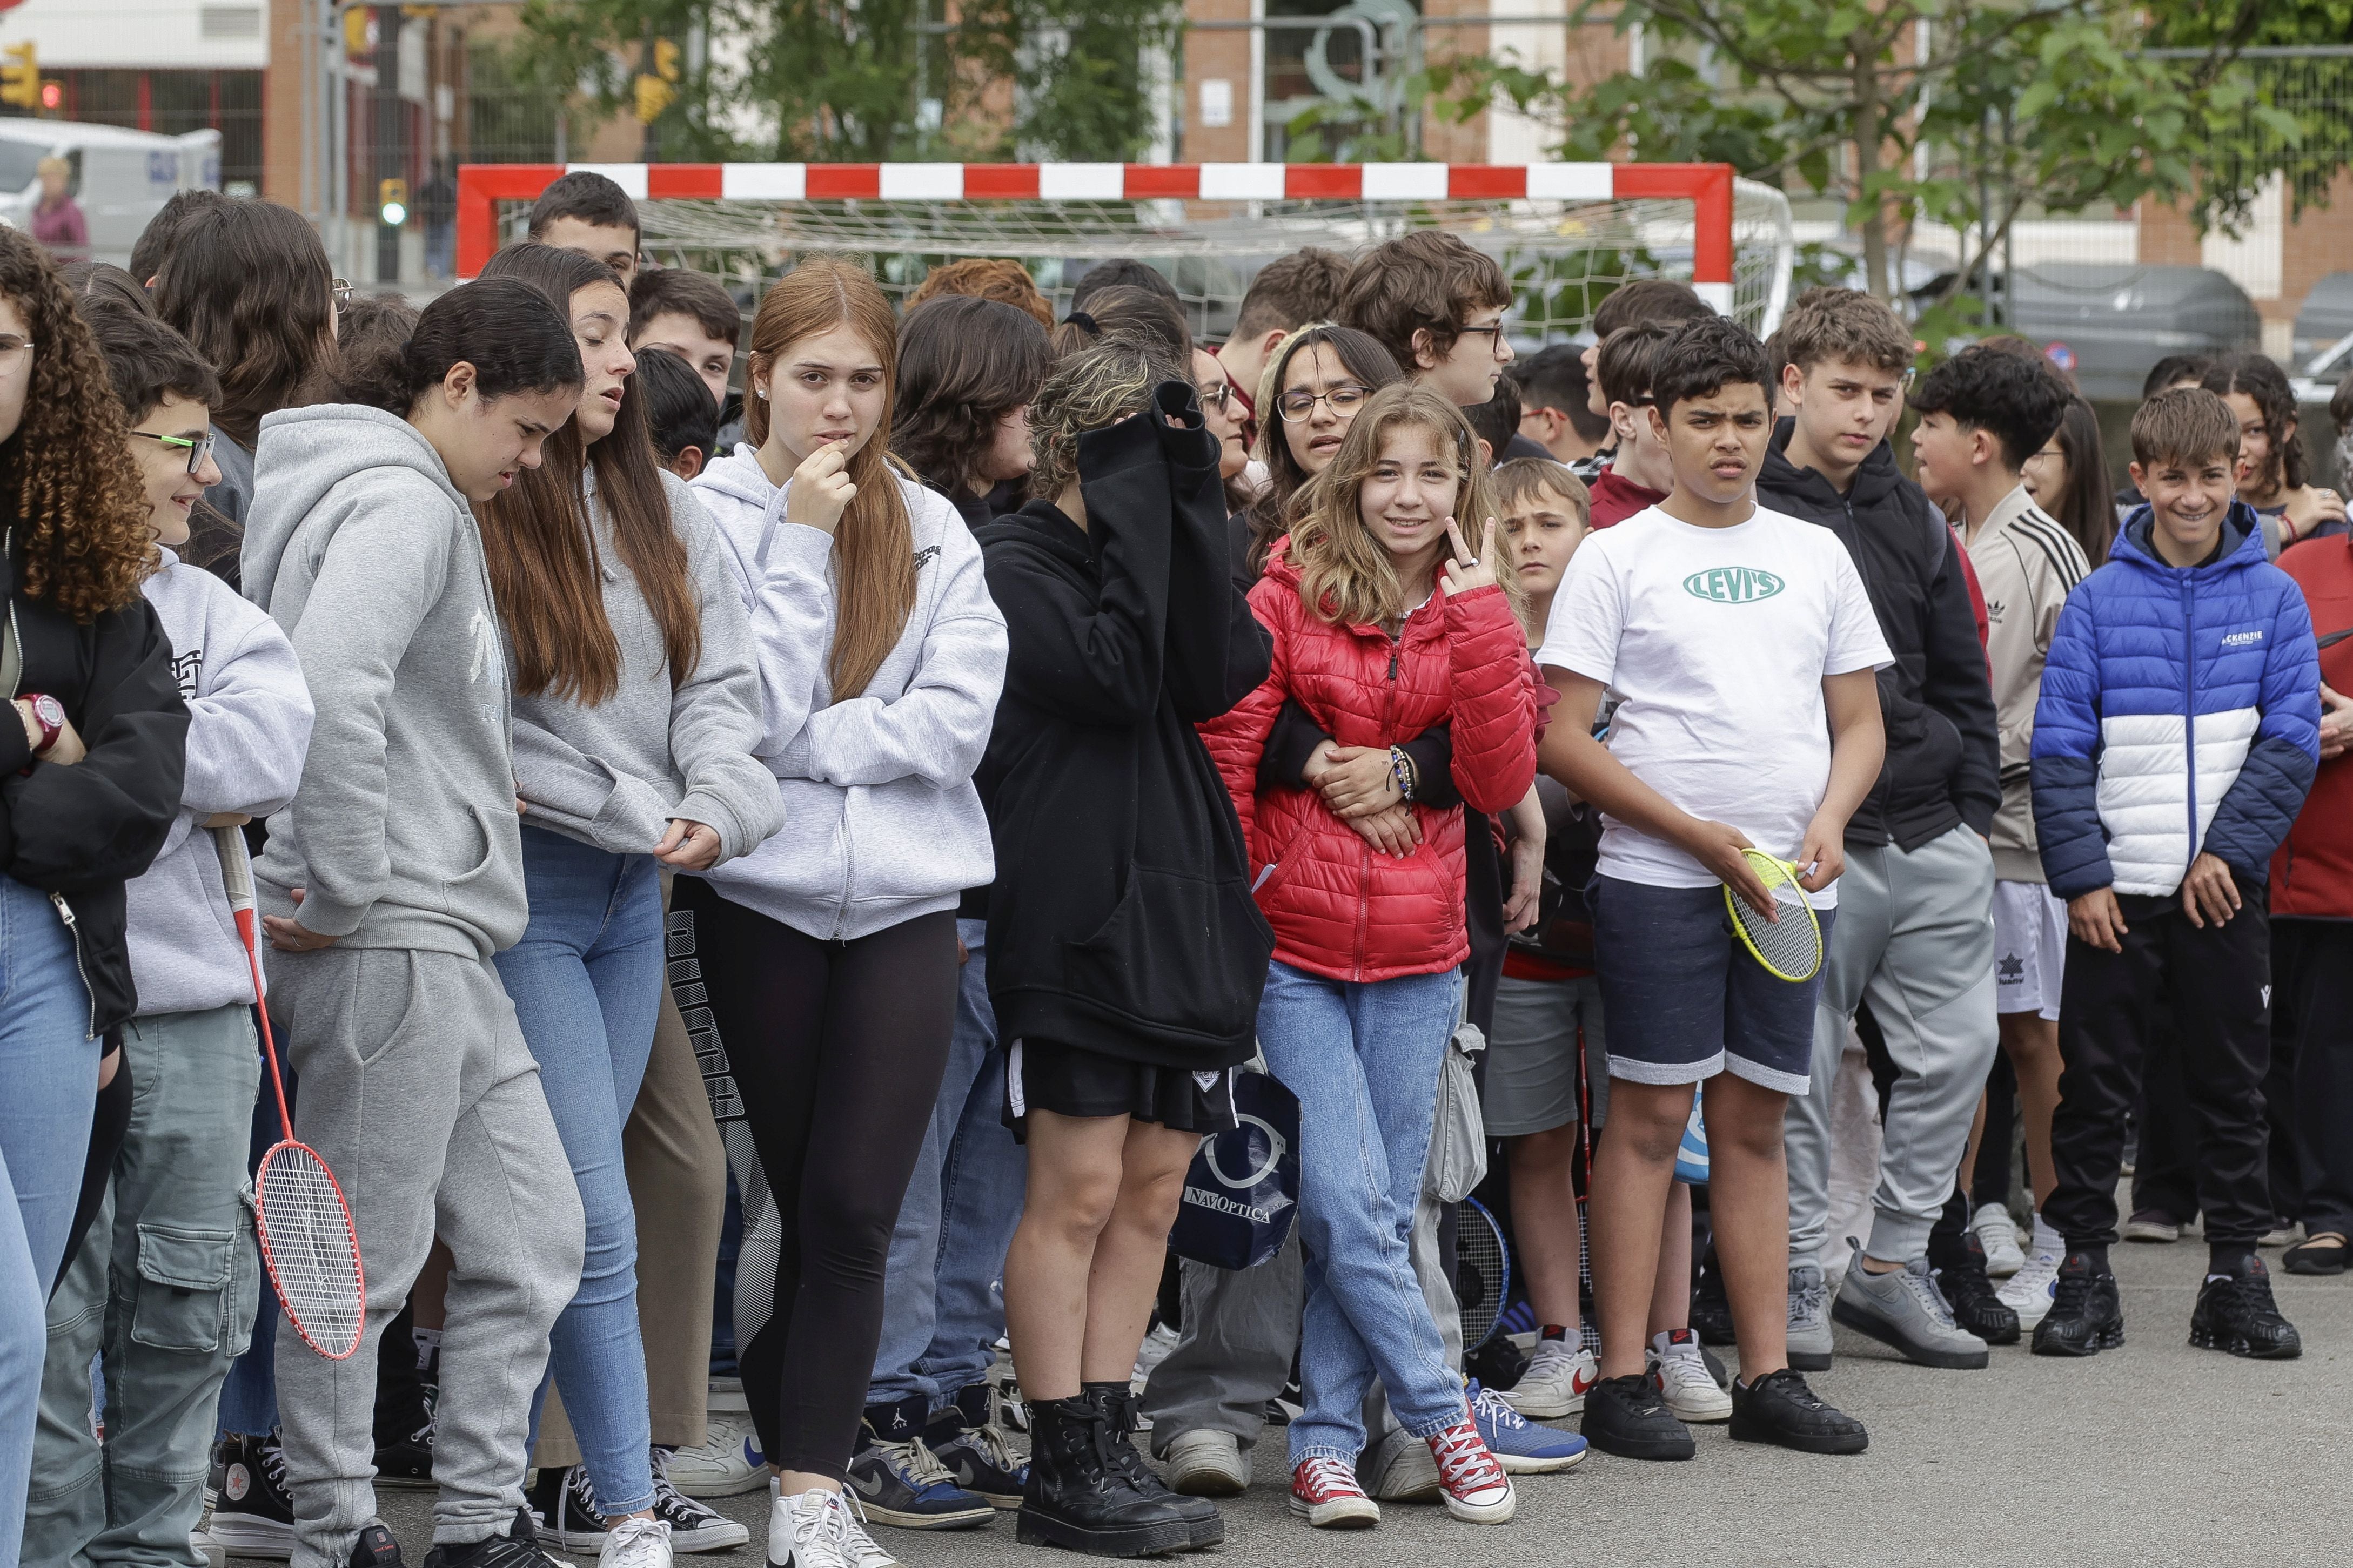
(833, 81)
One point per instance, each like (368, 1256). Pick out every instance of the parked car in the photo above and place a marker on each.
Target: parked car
(2326, 315)
(120, 177)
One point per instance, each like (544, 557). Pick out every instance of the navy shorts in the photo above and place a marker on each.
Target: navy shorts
(1686, 1001)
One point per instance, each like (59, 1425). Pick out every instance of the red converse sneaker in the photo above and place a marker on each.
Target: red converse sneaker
(1324, 1493)
(1475, 1485)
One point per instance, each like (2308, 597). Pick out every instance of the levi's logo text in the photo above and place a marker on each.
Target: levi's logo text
(1732, 584)
(2244, 639)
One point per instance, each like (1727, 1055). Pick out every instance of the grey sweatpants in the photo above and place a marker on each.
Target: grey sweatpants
(419, 1093)
(1915, 938)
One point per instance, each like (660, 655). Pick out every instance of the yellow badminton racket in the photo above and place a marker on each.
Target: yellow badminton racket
(1790, 947)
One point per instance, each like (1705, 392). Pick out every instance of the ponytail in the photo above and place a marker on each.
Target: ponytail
(515, 340)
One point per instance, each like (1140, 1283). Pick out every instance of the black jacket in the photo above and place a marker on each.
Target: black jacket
(79, 832)
(1121, 920)
(1944, 752)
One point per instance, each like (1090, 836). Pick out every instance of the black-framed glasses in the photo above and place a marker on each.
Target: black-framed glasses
(1298, 403)
(1216, 396)
(199, 448)
(1493, 332)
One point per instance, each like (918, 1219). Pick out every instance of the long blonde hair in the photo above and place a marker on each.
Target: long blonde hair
(1346, 574)
(874, 545)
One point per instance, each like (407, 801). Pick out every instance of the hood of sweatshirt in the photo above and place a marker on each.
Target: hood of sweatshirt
(2241, 545)
(308, 452)
(1874, 480)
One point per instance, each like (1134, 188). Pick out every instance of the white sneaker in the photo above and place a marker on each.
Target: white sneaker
(1998, 1232)
(636, 1544)
(728, 1461)
(1559, 1375)
(1208, 1463)
(817, 1528)
(1679, 1375)
(2029, 1292)
(215, 1554)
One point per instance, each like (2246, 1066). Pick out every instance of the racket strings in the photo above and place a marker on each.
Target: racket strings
(306, 1237)
(1791, 946)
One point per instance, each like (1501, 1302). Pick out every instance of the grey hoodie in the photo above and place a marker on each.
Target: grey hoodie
(614, 775)
(882, 821)
(404, 830)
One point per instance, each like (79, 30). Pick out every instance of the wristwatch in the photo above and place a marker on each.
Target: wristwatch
(51, 715)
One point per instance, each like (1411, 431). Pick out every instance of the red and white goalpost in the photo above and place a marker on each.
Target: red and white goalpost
(1566, 232)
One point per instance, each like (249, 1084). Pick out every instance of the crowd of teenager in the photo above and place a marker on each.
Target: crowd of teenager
(780, 868)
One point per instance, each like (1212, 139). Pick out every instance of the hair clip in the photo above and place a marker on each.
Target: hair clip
(1083, 322)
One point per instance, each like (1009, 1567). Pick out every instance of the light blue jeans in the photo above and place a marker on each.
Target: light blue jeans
(943, 1304)
(586, 982)
(164, 1289)
(48, 1065)
(1363, 1057)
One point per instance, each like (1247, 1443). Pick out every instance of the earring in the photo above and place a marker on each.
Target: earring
(764, 394)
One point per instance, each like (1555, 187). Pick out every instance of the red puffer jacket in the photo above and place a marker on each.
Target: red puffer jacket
(1339, 909)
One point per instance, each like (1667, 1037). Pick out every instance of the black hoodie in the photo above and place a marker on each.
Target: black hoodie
(78, 832)
(1944, 752)
(1121, 920)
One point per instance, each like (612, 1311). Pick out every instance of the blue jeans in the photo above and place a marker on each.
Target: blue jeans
(1363, 1058)
(586, 982)
(49, 1064)
(943, 1308)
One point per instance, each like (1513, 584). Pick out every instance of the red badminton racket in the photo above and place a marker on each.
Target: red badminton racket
(307, 1237)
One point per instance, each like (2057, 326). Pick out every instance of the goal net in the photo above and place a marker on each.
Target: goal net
(1566, 233)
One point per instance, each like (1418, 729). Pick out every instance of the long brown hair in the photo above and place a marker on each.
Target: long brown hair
(1345, 575)
(250, 284)
(80, 513)
(540, 540)
(874, 546)
(1362, 356)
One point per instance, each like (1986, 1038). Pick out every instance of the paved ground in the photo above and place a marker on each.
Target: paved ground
(2153, 1454)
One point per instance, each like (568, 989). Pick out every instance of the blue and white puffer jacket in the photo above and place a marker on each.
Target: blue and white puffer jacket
(2180, 711)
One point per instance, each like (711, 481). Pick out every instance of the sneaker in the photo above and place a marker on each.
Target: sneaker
(1678, 1371)
(2028, 1291)
(967, 1436)
(2152, 1225)
(1904, 1308)
(1152, 1352)
(1324, 1493)
(726, 1397)
(2282, 1233)
(1626, 1416)
(2086, 1315)
(1396, 1468)
(215, 1554)
(693, 1527)
(565, 1505)
(1559, 1375)
(518, 1547)
(2235, 1313)
(1959, 1264)
(407, 1464)
(727, 1461)
(254, 1516)
(1711, 1309)
(819, 1529)
(1477, 1490)
(1999, 1233)
(637, 1544)
(898, 1480)
(1521, 1447)
(1213, 1464)
(1779, 1408)
(1810, 1318)
(375, 1548)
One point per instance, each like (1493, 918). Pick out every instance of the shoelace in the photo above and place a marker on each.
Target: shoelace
(1792, 1388)
(1686, 1369)
(990, 1438)
(637, 1544)
(2254, 1294)
(273, 1462)
(1490, 1405)
(1924, 1290)
(2074, 1289)
(1330, 1479)
(921, 1466)
(1463, 1461)
(1806, 1301)
(850, 1535)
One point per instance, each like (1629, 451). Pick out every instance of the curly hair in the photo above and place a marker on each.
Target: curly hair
(80, 507)
(985, 277)
(1092, 389)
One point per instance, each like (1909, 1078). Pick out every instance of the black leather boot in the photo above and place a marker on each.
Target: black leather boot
(1119, 1411)
(1076, 1500)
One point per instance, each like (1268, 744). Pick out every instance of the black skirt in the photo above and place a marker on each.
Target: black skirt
(1071, 1080)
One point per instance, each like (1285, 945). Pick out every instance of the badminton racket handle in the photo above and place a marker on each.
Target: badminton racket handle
(237, 877)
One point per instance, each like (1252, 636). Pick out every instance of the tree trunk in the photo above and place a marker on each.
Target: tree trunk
(1869, 142)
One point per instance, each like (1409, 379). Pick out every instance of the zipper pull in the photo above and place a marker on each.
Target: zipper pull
(1393, 664)
(65, 910)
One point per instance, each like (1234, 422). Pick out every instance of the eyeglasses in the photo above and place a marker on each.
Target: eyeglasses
(199, 450)
(12, 349)
(1216, 396)
(341, 289)
(1298, 403)
(1495, 334)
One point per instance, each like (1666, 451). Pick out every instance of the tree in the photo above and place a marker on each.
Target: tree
(1944, 110)
(867, 80)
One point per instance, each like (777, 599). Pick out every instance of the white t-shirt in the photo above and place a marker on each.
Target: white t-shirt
(1715, 642)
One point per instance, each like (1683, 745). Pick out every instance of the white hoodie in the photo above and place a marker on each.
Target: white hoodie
(248, 728)
(881, 822)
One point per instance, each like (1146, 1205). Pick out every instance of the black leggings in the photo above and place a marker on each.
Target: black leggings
(837, 1050)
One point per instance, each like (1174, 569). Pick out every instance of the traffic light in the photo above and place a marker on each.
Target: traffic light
(666, 60)
(654, 95)
(20, 78)
(392, 201)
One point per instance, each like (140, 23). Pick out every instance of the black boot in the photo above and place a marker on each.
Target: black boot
(1119, 1408)
(1076, 1500)
(2236, 1313)
(2086, 1314)
(1959, 1262)
(1711, 1309)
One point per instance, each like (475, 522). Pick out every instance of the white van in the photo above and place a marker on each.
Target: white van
(120, 177)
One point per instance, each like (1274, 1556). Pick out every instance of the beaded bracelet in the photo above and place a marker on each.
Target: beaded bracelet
(1402, 769)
